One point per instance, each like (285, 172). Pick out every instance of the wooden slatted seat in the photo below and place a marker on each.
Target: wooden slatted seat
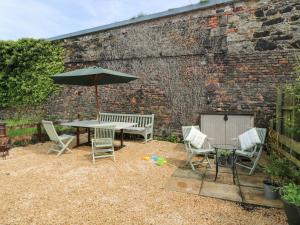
(143, 127)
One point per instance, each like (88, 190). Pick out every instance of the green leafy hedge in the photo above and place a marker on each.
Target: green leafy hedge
(26, 66)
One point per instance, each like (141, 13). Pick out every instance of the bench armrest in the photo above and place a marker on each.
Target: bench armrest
(148, 127)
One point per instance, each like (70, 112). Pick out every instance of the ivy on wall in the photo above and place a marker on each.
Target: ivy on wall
(26, 67)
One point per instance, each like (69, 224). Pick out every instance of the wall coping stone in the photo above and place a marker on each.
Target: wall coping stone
(167, 13)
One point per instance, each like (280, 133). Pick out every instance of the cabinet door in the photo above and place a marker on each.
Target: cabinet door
(236, 125)
(223, 128)
(214, 127)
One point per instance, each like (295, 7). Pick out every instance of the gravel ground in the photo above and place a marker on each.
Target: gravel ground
(36, 188)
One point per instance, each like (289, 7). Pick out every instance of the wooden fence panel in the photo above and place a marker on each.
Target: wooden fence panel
(285, 146)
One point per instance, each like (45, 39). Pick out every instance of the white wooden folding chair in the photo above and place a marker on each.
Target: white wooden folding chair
(103, 142)
(251, 145)
(194, 141)
(61, 142)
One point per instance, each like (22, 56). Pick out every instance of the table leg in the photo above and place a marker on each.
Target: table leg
(121, 133)
(89, 135)
(233, 165)
(77, 136)
(217, 167)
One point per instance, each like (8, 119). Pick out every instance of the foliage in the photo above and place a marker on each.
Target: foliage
(20, 143)
(291, 194)
(280, 170)
(171, 138)
(292, 125)
(19, 121)
(26, 67)
(22, 131)
(223, 152)
(141, 14)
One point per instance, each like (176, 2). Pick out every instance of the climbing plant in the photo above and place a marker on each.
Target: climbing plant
(26, 66)
(292, 124)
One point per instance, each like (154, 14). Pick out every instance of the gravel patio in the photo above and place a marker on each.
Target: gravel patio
(37, 188)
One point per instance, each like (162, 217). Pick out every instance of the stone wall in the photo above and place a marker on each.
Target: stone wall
(229, 57)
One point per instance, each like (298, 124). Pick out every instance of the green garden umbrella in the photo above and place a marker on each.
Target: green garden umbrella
(92, 76)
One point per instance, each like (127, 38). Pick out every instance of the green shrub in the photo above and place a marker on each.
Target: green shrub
(291, 194)
(22, 131)
(20, 121)
(170, 138)
(280, 170)
(26, 67)
(20, 143)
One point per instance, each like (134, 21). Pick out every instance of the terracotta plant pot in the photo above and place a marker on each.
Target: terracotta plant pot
(271, 191)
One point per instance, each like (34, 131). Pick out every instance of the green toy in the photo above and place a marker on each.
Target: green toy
(160, 161)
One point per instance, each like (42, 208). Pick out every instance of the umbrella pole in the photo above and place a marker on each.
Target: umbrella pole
(97, 101)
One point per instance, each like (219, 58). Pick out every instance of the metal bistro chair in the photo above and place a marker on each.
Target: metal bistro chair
(194, 141)
(251, 145)
(103, 142)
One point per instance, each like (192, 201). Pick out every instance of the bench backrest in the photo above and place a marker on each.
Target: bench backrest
(141, 120)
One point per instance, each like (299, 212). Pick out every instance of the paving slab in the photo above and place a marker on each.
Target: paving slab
(244, 171)
(189, 173)
(183, 185)
(223, 178)
(251, 181)
(256, 196)
(222, 191)
(221, 169)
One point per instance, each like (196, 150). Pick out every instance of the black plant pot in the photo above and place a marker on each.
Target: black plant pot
(222, 161)
(229, 161)
(292, 212)
(271, 192)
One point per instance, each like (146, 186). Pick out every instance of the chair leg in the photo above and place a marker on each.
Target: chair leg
(114, 156)
(192, 165)
(207, 159)
(145, 135)
(190, 161)
(255, 162)
(69, 142)
(65, 146)
(188, 158)
(51, 149)
(62, 150)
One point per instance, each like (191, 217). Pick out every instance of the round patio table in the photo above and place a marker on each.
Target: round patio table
(231, 150)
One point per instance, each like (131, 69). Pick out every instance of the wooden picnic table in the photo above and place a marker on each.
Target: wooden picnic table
(119, 126)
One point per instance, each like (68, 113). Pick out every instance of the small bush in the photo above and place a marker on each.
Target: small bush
(171, 138)
(280, 170)
(291, 194)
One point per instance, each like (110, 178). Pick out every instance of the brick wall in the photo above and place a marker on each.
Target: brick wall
(230, 57)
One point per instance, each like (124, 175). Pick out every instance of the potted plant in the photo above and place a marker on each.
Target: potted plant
(275, 171)
(279, 171)
(224, 158)
(271, 184)
(291, 201)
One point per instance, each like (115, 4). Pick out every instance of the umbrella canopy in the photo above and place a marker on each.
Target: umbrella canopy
(92, 76)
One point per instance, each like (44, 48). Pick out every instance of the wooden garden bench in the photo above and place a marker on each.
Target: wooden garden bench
(143, 127)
